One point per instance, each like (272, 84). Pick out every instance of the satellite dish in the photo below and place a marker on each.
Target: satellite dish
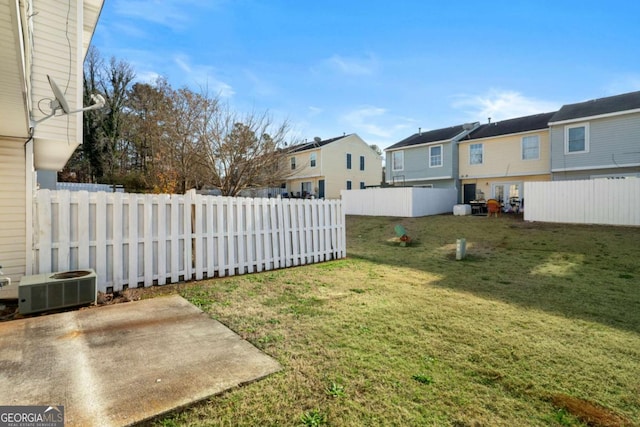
(60, 103)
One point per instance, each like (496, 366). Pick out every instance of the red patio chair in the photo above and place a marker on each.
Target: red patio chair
(493, 207)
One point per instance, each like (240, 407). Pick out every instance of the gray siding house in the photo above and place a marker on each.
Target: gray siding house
(596, 139)
(427, 158)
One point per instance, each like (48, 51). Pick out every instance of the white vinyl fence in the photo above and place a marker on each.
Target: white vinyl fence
(134, 240)
(596, 201)
(399, 201)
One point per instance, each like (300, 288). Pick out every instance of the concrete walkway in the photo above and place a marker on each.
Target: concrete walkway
(120, 364)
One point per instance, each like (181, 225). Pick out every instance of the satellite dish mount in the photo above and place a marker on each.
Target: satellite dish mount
(61, 104)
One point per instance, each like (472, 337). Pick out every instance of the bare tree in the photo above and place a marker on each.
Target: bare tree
(149, 113)
(243, 151)
(86, 164)
(181, 149)
(153, 137)
(115, 86)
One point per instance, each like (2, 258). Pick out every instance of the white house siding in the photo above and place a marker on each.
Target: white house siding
(13, 209)
(614, 148)
(334, 165)
(57, 51)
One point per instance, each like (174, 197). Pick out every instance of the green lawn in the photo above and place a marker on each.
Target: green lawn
(538, 326)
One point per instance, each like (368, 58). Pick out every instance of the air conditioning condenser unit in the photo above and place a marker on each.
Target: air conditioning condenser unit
(52, 291)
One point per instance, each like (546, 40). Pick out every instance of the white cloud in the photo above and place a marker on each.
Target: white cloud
(147, 76)
(203, 76)
(260, 86)
(377, 125)
(314, 111)
(131, 30)
(368, 119)
(501, 104)
(353, 66)
(174, 14)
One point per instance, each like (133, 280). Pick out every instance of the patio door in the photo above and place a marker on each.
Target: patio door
(508, 193)
(321, 189)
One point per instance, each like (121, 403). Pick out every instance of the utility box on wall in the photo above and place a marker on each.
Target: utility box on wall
(51, 291)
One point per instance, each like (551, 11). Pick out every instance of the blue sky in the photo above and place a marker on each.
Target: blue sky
(381, 69)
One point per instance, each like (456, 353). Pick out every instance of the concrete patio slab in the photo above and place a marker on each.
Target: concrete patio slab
(124, 363)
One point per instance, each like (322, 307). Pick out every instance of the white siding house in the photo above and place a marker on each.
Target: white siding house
(38, 38)
(323, 168)
(596, 139)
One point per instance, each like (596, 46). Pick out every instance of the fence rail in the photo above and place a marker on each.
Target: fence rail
(134, 240)
(596, 201)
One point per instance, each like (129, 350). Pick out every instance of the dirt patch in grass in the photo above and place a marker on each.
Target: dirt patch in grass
(590, 413)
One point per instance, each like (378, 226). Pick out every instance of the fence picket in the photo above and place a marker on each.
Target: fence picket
(174, 263)
(100, 238)
(132, 239)
(199, 236)
(240, 237)
(117, 231)
(64, 243)
(283, 233)
(221, 236)
(258, 208)
(83, 222)
(250, 230)
(162, 240)
(188, 234)
(45, 230)
(210, 260)
(148, 239)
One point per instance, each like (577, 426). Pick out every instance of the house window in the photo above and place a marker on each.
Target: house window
(397, 160)
(312, 160)
(348, 161)
(361, 163)
(576, 138)
(435, 156)
(293, 163)
(362, 185)
(475, 154)
(348, 185)
(306, 189)
(530, 147)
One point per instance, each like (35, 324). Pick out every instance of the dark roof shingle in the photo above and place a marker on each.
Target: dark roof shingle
(429, 136)
(517, 125)
(314, 144)
(596, 107)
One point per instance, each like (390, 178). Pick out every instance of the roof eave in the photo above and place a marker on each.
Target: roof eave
(91, 10)
(595, 117)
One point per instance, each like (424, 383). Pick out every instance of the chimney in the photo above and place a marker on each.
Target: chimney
(419, 131)
(489, 120)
